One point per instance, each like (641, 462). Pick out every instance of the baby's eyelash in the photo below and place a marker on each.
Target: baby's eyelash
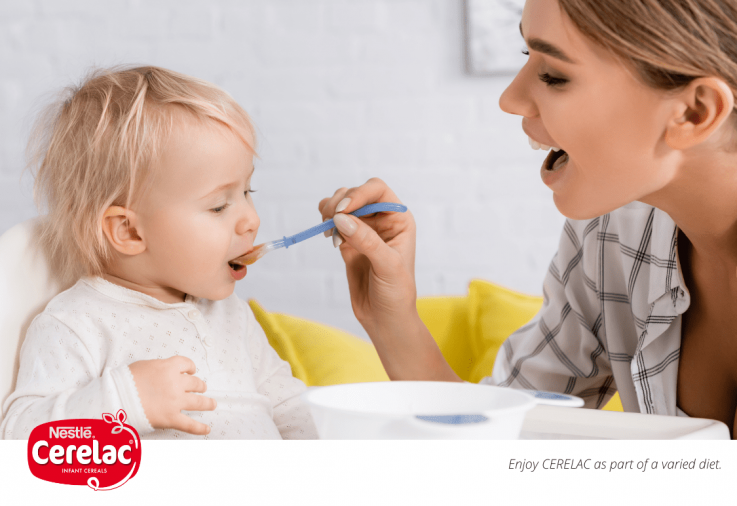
(525, 52)
(220, 209)
(550, 80)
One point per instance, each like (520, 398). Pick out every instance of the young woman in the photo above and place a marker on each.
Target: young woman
(635, 100)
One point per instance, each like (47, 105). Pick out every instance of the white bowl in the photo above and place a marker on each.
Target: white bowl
(418, 410)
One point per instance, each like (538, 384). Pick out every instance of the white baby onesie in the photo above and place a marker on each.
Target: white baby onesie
(74, 364)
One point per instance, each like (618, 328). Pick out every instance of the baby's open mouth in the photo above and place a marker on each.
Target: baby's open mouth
(235, 267)
(237, 270)
(237, 263)
(555, 160)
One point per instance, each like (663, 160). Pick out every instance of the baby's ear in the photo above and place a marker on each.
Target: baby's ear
(119, 226)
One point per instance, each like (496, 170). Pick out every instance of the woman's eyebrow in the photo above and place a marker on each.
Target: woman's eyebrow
(547, 48)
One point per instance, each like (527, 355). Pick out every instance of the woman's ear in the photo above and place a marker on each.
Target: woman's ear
(704, 105)
(119, 226)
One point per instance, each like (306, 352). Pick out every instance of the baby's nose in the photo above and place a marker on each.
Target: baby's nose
(248, 223)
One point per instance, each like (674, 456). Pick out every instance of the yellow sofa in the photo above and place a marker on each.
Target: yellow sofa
(469, 331)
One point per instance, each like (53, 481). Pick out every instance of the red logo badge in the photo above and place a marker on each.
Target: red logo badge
(102, 454)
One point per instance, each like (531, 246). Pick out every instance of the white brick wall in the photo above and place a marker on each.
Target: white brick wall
(340, 90)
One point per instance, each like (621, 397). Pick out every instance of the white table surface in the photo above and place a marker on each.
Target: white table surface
(552, 422)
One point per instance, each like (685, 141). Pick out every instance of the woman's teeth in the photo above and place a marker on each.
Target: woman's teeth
(536, 145)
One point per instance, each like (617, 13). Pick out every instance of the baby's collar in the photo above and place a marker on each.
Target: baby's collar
(124, 294)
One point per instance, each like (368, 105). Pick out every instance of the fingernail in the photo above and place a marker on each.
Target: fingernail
(337, 239)
(342, 204)
(329, 231)
(344, 224)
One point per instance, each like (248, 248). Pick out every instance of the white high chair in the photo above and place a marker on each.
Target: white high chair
(27, 283)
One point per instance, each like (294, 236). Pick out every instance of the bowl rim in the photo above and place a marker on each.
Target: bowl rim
(308, 395)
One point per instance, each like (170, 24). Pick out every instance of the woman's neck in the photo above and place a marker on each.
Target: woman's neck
(702, 201)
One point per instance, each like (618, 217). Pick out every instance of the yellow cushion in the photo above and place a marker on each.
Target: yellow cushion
(318, 354)
(494, 313)
(614, 404)
(447, 320)
(469, 331)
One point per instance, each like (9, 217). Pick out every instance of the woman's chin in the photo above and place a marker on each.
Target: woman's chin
(575, 209)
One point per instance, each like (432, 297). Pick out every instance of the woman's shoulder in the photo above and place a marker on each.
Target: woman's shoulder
(620, 255)
(635, 235)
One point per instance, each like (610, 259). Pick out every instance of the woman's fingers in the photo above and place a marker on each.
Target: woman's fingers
(373, 190)
(327, 206)
(337, 239)
(366, 241)
(348, 200)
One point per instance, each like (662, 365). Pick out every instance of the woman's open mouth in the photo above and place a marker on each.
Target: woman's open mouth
(555, 160)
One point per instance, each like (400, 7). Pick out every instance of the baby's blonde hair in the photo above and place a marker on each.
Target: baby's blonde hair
(97, 145)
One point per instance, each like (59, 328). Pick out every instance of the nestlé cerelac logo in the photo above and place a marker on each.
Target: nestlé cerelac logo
(102, 454)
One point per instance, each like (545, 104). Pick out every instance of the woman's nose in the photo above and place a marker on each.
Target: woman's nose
(516, 98)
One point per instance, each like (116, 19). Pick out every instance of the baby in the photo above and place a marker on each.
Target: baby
(146, 174)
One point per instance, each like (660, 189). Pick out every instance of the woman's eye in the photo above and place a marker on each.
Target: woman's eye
(550, 80)
(547, 78)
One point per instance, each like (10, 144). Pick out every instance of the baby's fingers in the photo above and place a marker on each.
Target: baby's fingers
(186, 424)
(181, 364)
(193, 384)
(196, 402)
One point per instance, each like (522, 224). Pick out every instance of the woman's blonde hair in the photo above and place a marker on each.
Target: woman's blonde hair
(96, 146)
(668, 42)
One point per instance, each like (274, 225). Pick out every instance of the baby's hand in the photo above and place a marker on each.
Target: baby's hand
(166, 387)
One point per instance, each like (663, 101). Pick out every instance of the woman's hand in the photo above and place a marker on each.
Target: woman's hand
(379, 254)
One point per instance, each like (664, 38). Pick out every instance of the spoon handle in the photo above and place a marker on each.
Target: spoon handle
(379, 207)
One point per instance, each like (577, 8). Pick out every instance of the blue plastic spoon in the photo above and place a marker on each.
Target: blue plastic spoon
(285, 242)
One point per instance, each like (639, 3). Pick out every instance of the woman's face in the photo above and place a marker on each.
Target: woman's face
(574, 95)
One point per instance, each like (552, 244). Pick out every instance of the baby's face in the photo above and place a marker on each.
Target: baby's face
(198, 213)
